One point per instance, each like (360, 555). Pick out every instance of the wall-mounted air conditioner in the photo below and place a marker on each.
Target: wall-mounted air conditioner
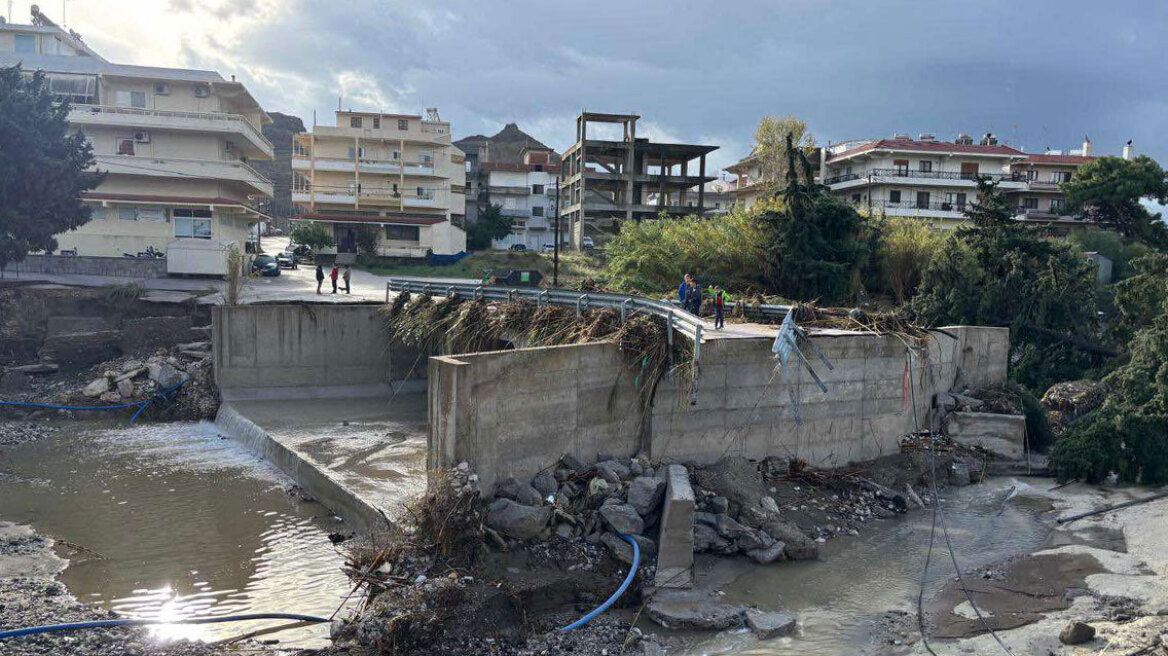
(141, 137)
(162, 89)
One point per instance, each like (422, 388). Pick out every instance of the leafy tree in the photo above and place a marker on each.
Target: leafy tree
(44, 169)
(488, 226)
(815, 241)
(770, 148)
(1128, 434)
(1000, 272)
(313, 235)
(906, 248)
(1122, 252)
(1108, 190)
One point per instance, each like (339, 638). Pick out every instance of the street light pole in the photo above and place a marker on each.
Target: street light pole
(556, 248)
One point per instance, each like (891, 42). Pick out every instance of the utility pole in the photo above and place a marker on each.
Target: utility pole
(556, 248)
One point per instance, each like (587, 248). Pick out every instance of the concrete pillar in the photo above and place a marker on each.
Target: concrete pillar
(683, 195)
(675, 543)
(702, 186)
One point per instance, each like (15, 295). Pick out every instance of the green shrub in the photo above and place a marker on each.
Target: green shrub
(906, 248)
(1122, 252)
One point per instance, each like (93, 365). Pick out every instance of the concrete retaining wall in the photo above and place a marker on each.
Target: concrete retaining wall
(512, 413)
(122, 267)
(288, 351)
(515, 412)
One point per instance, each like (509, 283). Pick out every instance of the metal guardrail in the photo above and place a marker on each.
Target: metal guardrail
(679, 320)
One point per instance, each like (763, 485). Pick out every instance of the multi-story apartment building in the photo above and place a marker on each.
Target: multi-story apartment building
(396, 174)
(747, 187)
(515, 171)
(608, 180)
(174, 142)
(922, 178)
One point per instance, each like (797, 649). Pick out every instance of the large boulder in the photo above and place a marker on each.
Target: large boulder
(798, 545)
(616, 467)
(645, 494)
(165, 374)
(516, 490)
(736, 478)
(96, 387)
(1076, 633)
(768, 555)
(516, 520)
(545, 483)
(620, 549)
(623, 518)
(770, 625)
(707, 540)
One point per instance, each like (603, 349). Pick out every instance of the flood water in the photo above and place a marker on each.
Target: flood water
(175, 521)
(841, 598)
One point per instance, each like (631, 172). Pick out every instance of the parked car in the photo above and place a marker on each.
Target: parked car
(587, 244)
(303, 253)
(548, 248)
(287, 260)
(518, 247)
(265, 265)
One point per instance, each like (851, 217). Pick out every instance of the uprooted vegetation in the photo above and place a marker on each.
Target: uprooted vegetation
(453, 326)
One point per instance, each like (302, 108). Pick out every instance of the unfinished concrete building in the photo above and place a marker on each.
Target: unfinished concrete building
(613, 176)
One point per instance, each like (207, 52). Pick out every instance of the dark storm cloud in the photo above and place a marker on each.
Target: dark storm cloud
(1038, 74)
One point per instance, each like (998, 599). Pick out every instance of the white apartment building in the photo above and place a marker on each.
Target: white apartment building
(919, 178)
(174, 142)
(746, 187)
(397, 174)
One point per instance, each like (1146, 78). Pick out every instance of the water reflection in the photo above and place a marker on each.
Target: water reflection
(174, 522)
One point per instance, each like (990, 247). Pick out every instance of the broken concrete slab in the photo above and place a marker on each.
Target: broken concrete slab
(646, 493)
(675, 542)
(689, 611)
(516, 520)
(622, 518)
(1004, 435)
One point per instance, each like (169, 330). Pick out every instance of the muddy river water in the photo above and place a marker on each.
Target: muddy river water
(842, 598)
(175, 521)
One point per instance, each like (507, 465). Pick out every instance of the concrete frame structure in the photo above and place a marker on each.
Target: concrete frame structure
(605, 181)
(396, 173)
(175, 143)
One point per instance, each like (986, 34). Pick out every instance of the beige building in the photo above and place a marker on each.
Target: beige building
(747, 187)
(174, 142)
(396, 174)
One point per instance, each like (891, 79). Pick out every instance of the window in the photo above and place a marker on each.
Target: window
(847, 170)
(901, 166)
(423, 192)
(358, 153)
(1059, 177)
(402, 233)
(125, 146)
(969, 171)
(537, 210)
(136, 99)
(99, 213)
(26, 44)
(1029, 203)
(151, 214)
(396, 155)
(376, 122)
(191, 223)
(1057, 205)
(894, 196)
(926, 166)
(403, 124)
(162, 89)
(1031, 174)
(956, 201)
(354, 121)
(427, 159)
(77, 89)
(537, 189)
(855, 199)
(922, 200)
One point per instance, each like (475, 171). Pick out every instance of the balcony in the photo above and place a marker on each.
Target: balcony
(172, 167)
(910, 176)
(148, 119)
(943, 210)
(520, 212)
(509, 190)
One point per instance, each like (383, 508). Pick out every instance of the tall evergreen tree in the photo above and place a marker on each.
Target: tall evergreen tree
(44, 169)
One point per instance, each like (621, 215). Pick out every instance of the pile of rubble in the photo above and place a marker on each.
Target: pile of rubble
(127, 380)
(575, 500)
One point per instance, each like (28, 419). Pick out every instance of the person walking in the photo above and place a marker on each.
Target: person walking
(348, 276)
(333, 276)
(693, 297)
(683, 291)
(319, 277)
(719, 298)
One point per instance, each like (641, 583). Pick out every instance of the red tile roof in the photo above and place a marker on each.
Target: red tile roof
(929, 147)
(1058, 159)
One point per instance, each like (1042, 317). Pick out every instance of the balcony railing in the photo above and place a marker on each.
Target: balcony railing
(230, 121)
(946, 175)
(942, 206)
(842, 178)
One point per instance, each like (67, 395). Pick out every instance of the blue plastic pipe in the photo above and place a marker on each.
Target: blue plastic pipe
(616, 595)
(104, 624)
(140, 405)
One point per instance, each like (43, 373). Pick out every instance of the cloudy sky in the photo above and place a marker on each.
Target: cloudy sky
(1039, 74)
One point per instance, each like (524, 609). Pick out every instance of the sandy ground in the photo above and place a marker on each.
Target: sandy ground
(1119, 586)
